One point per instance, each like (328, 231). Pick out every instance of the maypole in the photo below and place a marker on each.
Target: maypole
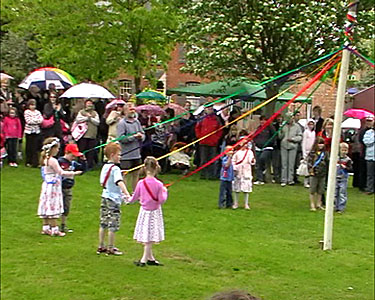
(328, 221)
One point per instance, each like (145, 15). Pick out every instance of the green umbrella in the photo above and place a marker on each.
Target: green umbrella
(224, 88)
(151, 95)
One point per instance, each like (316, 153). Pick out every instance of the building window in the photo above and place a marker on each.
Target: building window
(181, 54)
(125, 88)
(195, 101)
(192, 83)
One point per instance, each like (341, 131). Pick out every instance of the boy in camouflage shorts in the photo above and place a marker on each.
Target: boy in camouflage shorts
(114, 192)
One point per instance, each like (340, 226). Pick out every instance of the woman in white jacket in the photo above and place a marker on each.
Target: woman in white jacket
(88, 141)
(308, 140)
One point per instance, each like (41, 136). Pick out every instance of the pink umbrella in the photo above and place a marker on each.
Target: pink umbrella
(358, 113)
(151, 109)
(178, 109)
(114, 103)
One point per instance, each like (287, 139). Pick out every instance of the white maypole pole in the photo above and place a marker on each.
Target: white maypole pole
(328, 221)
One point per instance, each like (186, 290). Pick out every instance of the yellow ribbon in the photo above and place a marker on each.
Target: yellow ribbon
(234, 121)
(213, 132)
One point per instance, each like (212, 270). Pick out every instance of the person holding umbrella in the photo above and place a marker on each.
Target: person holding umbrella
(369, 141)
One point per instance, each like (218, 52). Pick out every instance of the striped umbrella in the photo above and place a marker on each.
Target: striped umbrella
(43, 77)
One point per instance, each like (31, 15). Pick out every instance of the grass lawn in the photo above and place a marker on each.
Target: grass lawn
(272, 251)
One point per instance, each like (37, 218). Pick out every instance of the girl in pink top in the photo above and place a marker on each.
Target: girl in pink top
(149, 228)
(12, 129)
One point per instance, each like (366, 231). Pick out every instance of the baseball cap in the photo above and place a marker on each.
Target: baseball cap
(72, 148)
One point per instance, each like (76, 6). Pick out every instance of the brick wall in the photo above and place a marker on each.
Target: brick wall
(324, 96)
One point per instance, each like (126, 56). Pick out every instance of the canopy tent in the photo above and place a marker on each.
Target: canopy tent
(223, 88)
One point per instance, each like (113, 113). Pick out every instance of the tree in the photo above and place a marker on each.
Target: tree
(17, 59)
(261, 39)
(95, 39)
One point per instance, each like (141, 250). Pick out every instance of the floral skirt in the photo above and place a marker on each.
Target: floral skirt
(241, 184)
(150, 226)
(51, 200)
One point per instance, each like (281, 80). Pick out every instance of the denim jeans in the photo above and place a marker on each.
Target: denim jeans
(370, 165)
(263, 161)
(341, 196)
(276, 165)
(225, 196)
(206, 154)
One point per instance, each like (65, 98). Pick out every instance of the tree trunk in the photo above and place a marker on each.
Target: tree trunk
(272, 89)
(137, 84)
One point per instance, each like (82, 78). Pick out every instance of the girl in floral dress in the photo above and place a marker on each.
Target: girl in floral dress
(51, 199)
(242, 161)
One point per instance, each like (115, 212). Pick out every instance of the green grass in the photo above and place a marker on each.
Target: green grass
(271, 251)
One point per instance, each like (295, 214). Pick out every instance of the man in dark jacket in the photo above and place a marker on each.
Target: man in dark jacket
(264, 143)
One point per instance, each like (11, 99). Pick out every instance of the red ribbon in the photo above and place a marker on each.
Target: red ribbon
(266, 124)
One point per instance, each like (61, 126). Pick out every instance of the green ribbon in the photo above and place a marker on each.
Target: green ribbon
(219, 100)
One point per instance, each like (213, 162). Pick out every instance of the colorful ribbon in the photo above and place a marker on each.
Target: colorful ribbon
(227, 97)
(215, 131)
(266, 124)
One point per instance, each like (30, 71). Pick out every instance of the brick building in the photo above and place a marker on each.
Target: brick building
(324, 96)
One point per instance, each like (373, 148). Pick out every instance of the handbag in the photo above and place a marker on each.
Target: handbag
(47, 123)
(64, 127)
(303, 169)
(79, 130)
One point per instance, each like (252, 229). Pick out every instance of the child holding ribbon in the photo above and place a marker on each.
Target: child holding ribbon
(243, 159)
(149, 228)
(317, 163)
(51, 198)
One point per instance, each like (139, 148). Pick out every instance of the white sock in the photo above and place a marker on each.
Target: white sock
(55, 229)
(236, 198)
(246, 199)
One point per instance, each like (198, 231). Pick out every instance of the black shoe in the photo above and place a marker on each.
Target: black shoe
(66, 229)
(138, 263)
(154, 263)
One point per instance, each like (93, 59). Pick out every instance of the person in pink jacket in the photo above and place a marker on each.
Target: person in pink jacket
(12, 129)
(149, 228)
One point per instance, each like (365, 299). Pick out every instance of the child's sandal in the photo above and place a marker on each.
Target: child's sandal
(138, 263)
(46, 232)
(154, 263)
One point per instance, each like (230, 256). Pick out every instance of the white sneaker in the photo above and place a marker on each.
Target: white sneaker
(307, 185)
(247, 207)
(257, 182)
(15, 165)
(235, 206)
(283, 184)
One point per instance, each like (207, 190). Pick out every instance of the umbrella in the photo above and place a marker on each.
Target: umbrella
(5, 76)
(87, 90)
(351, 123)
(152, 95)
(151, 109)
(178, 109)
(242, 87)
(358, 113)
(115, 103)
(43, 77)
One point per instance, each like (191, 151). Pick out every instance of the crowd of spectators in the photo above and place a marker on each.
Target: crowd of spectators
(279, 149)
